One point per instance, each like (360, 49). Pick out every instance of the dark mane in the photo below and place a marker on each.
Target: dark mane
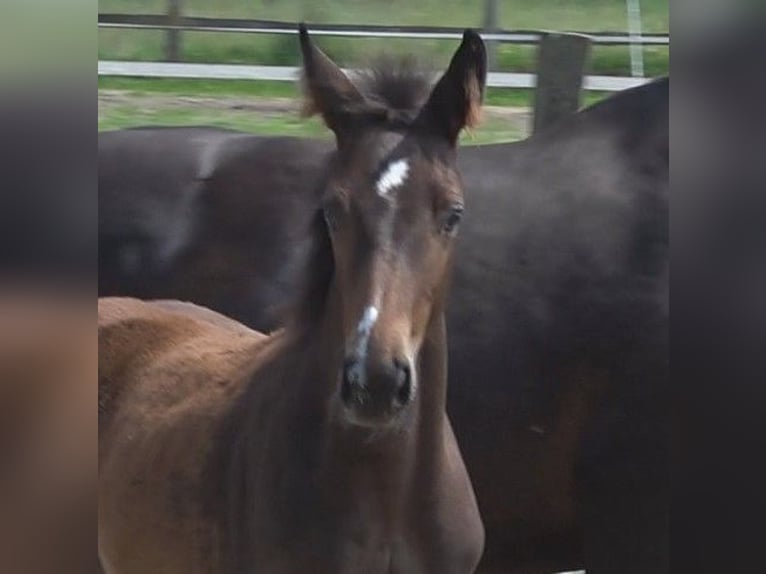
(306, 306)
(309, 303)
(401, 84)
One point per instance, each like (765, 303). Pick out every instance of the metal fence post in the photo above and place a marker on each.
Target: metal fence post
(561, 60)
(491, 24)
(634, 29)
(173, 35)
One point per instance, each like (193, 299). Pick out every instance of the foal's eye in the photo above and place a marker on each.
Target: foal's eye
(452, 220)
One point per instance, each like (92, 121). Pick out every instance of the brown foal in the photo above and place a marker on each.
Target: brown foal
(325, 447)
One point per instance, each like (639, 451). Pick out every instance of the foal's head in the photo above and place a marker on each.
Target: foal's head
(392, 204)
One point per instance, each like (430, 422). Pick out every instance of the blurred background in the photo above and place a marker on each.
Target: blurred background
(630, 40)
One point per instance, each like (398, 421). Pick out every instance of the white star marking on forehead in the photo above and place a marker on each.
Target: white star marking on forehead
(393, 177)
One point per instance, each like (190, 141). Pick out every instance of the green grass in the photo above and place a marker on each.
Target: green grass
(162, 102)
(139, 115)
(581, 15)
(283, 124)
(200, 87)
(604, 60)
(142, 109)
(184, 87)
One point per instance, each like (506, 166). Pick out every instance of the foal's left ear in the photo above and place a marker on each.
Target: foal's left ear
(328, 91)
(455, 102)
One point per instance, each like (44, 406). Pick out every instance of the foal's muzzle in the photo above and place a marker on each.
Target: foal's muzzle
(374, 394)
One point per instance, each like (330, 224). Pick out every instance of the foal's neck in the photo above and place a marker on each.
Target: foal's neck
(315, 466)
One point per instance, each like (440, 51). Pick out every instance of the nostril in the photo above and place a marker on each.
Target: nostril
(403, 383)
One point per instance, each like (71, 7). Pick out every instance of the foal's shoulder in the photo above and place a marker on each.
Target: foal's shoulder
(169, 350)
(128, 328)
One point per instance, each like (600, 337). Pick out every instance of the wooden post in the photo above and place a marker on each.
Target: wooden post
(561, 64)
(491, 24)
(173, 36)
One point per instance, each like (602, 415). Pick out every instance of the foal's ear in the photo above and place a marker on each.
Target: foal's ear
(327, 90)
(455, 102)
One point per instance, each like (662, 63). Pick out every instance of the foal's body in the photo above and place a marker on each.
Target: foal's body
(145, 418)
(323, 448)
(324, 498)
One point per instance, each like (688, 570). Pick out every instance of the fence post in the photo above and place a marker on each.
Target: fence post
(561, 60)
(634, 29)
(173, 35)
(491, 24)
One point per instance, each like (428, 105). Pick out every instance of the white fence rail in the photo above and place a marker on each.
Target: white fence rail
(289, 74)
(174, 22)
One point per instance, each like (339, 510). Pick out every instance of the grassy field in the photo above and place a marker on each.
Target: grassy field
(268, 107)
(182, 87)
(138, 113)
(581, 15)
(258, 107)
(125, 102)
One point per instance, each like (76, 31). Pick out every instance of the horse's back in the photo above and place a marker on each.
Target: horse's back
(204, 314)
(168, 373)
(166, 313)
(171, 343)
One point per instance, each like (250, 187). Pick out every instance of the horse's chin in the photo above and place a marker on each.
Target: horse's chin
(373, 425)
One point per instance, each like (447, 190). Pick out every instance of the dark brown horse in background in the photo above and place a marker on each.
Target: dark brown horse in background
(249, 248)
(558, 329)
(325, 447)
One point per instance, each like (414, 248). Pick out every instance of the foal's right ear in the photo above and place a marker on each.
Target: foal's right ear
(327, 90)
(455, 102)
